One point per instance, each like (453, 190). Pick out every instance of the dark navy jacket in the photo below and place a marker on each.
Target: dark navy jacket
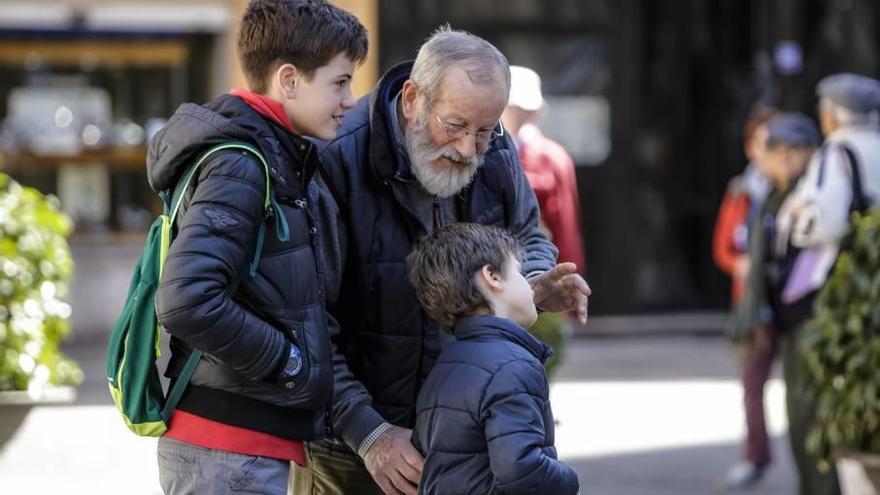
(484, 422)
(245, 336)
(386, 344)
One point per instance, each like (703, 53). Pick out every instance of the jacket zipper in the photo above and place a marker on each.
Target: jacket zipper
(438, 221)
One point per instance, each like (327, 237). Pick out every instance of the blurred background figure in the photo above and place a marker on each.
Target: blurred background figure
(547, 165)
(841, 178)
(550, 171)
(844, 177)
(792, 139)
(742, 201)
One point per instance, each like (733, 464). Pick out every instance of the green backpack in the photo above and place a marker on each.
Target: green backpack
(134, 346)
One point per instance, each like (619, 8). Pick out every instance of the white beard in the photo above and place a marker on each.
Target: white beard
(422, 155)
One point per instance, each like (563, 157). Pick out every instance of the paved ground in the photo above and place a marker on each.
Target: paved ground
(659, 416)
(637, 415)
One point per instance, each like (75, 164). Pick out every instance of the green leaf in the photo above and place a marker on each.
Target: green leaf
(33, 250)
(841, 347)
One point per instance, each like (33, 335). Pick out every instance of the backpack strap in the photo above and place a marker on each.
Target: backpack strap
(860, 201)
(172, 207)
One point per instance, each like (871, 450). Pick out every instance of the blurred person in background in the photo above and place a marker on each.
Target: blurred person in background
(758, 347)
(841, 178)
(845, 176)
(792, 139)
(548, 167)
(550, 171)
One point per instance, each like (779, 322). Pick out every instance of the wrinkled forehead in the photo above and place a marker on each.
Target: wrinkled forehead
(479, 102)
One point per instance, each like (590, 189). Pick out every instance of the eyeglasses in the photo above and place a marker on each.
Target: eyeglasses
(459, 131)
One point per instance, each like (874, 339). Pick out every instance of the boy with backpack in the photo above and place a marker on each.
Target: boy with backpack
(242, 281)
(483, 418)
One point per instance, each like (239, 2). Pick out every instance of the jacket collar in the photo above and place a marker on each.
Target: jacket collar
(846, 132)
(194, 128)
(382, 149)
(488, 327)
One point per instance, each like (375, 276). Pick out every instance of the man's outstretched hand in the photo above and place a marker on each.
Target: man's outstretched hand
(562, 289)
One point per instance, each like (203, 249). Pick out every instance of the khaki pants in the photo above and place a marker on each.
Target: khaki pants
(332, 470)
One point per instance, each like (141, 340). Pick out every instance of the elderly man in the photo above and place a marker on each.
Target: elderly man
(424, 149)
(843, 176)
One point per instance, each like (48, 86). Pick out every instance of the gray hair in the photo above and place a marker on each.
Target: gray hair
(846, 117)
(447, 47)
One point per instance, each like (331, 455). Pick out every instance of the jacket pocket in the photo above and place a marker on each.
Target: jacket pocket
(296, 335)
(312, 387)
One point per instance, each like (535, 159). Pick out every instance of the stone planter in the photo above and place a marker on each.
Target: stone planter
(859, 473)
(15, 406)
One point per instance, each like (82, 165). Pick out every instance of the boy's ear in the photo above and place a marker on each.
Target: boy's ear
(287, 77)
(488, 280)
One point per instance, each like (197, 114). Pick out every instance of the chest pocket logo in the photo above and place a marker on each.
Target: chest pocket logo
(221, 220)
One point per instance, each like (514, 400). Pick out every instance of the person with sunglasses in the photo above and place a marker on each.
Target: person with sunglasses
(424, 149)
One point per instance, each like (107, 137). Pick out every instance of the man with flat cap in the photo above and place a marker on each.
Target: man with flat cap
(845, 175)
(791, 142)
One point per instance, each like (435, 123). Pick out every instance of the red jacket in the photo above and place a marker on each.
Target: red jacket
(729, 242)
(550, 171)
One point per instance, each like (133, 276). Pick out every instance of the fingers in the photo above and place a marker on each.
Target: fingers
(401, 484)
(579, 292)
(582, 306)
(575, 282)
(412, 457)
(409, 473)
(399, 479)
(561, 270)
(386, 485)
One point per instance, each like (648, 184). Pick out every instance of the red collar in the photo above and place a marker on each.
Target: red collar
(265, 106)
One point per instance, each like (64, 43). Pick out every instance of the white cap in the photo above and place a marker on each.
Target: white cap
(525, 88)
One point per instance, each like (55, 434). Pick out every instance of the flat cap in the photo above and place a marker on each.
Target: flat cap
(792, 129)
(860, 94)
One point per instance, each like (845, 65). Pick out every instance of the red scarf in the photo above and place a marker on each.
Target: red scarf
(265, 106)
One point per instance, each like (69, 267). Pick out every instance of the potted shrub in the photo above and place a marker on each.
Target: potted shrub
(35, 268)
(841, 346)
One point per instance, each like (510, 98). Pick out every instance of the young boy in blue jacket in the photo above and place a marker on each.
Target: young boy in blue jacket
(483, 423)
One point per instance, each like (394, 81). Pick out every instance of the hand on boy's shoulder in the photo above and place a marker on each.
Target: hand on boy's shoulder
(394, 463)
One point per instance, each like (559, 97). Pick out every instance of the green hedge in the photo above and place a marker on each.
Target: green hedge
(841, 347)
(35, 268)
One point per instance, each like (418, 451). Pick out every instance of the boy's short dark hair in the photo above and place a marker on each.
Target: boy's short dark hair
(305, 33)
(443, 264)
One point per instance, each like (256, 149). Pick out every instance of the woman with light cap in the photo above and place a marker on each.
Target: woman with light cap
(548, 167)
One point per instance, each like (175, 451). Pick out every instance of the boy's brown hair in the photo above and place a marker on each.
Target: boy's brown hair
(305, 33)
(443, 264)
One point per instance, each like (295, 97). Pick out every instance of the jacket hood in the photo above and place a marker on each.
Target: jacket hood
(388, 86)
(195, 128)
